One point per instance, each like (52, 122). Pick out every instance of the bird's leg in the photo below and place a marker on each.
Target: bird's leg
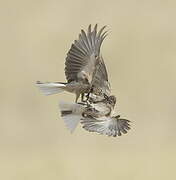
(88, 94)
(82, 97)
(85, 101)
(77, 97)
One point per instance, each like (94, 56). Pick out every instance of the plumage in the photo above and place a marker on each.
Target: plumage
(82, 62)
(110, 126)
(86, 74)
(86, 51)
(49, 88)
(75, 111)
(100, 83)
(71, 114)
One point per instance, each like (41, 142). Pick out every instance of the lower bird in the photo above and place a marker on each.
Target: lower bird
(73, 112)
(98, 117)
(95, 117)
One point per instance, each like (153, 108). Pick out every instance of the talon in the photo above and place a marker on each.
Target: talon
(105, 96)
(82, 97)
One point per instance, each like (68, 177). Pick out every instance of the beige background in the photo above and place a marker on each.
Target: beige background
(140, 54)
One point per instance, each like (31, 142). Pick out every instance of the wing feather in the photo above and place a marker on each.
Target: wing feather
(111, 126)
(82, 56)
(100, 81)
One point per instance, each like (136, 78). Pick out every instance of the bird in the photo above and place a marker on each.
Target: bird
(106, 123)
(84, 66)
(72, 113)
(95, 117)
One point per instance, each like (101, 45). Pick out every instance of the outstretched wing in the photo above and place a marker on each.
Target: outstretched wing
(111, 126)
(83, 55)
(100, 82)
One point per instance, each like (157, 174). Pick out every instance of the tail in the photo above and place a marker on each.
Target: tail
(71, 114)
(49, 88)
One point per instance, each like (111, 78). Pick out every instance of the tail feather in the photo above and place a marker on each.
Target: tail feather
(71, 121)
(70, 114)
(49, 88)
(64, 113)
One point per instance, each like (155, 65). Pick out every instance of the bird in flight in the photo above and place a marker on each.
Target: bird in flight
(87, 76)
(83, 66)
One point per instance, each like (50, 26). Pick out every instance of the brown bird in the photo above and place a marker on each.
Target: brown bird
(72, 113)
(83, 67)
(96, 117)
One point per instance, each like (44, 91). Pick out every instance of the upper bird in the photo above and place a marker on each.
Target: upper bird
(84, 67)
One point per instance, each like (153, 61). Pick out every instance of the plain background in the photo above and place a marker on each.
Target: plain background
(140, 54)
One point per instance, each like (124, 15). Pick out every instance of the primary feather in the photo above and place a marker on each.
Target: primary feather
(83, 55)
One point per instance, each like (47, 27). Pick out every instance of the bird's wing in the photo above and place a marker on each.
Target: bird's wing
(82, 57)
(100, 79)
(110, 126)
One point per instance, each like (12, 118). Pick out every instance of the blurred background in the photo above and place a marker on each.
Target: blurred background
(140, 54)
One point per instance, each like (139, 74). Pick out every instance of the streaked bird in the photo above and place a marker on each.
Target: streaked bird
(84, 66)
(94, 118)
(73, 112)
(105, 107)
